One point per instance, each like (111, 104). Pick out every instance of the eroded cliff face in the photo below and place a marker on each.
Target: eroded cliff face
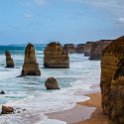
(70, 48)
(112, 81)
(9, 60)
(55, 56)
(97, 48)
(30, 67)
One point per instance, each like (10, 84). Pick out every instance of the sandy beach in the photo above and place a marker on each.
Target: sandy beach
(88, 112)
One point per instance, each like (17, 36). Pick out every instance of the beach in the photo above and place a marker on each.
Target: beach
(87, 112)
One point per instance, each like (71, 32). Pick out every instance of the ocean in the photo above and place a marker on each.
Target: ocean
(28, 94)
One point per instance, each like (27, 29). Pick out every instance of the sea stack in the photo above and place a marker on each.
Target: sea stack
(112, 81)
(97, 48)
(87, 48)
(80, 48)
(9, 60)
(51, 84)
(55, 56)
(30, 67)
(70, 48)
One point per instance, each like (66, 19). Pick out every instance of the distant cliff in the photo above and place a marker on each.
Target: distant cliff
(97, 48)
(112, 81)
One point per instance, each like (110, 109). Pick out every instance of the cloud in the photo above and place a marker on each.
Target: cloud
(121, 20)
(27, 15)
(40, 2)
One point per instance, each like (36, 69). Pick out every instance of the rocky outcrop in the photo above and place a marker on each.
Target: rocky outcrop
(55, 56)
(51, 83)
(70, 48)
(97, 48)
(9, 60)
(30, 67)
(87, 48)
(112, 81)
(80, 48)
(2, 92)
(7, 110)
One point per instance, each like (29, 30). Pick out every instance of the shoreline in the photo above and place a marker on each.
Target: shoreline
(87, 112)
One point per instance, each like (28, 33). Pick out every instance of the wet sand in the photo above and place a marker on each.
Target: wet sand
(97, 116)
(87, 112)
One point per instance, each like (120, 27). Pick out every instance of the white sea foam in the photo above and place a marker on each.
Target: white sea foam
(29, 92)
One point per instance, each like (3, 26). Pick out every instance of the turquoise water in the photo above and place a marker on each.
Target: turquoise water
(30, 93)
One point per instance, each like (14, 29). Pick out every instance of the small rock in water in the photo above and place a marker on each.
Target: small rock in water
(51, 83)
(2, 92)
(7, 110)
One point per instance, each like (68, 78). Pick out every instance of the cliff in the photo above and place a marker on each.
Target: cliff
(30, 67)
(112, 81)
(55, 56)
(97, 48)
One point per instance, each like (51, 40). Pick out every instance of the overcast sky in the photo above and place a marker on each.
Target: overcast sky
(77, 21)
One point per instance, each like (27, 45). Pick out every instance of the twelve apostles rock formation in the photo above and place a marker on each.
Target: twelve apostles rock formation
(55, 56)
(87, 48)
(80, 48)
(51, 83)
(112, 81)
(30, 67)
(70, 48)
(97, 48)
(9, 60)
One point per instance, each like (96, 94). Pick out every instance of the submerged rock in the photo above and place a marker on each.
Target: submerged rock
(51, 83)
(70, 48)
(97, 48)
(2, 92)
(7, 110)
(55, 56)
(9, 60)
(112, 81)
(30, 67)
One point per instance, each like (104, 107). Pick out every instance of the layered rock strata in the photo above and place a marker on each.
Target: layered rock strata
(9, 60)
(112, 81)
(55, 56)
(97, 48)
(30, 67)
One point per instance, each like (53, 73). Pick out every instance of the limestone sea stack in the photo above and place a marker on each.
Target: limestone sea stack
(80, 48)
(97, 48)
(112, 81)
(55, 56)
(9, 60)
(51, 83)
(30, 67)
(87, 48)
(70, 48)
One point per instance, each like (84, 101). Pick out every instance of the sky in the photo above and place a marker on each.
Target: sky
(66, 21)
